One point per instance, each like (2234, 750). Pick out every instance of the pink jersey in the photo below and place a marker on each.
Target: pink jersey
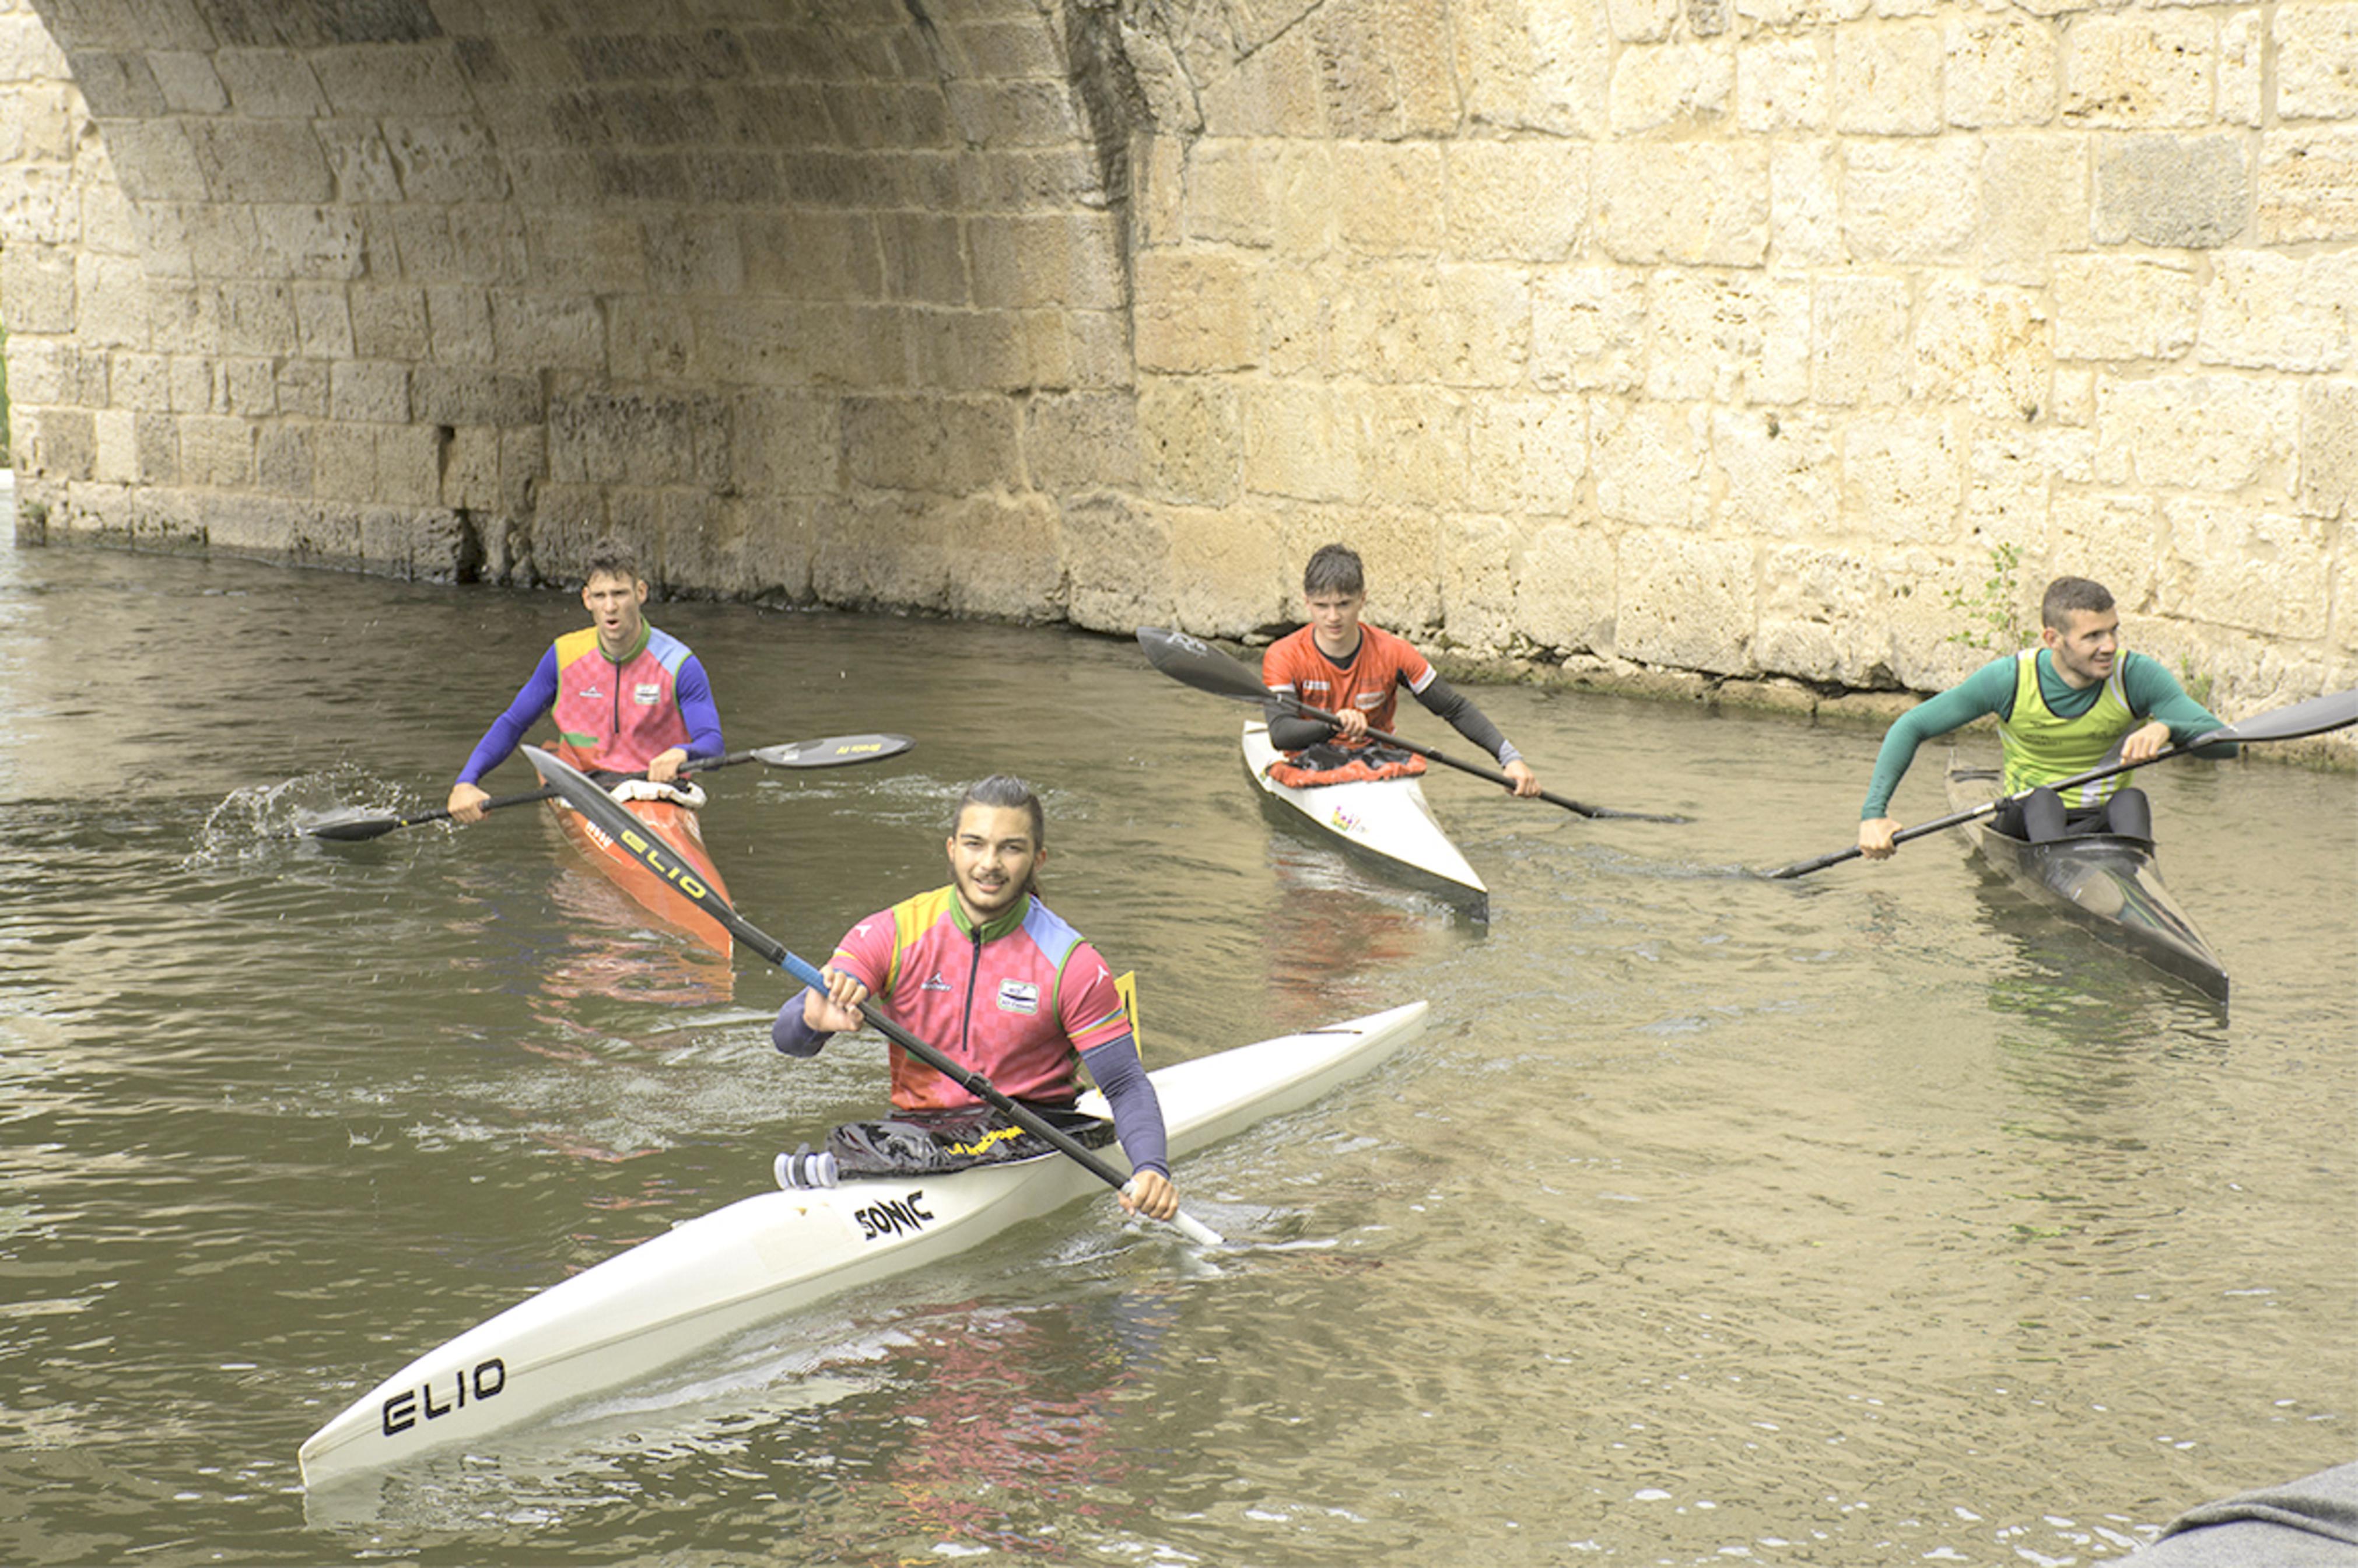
(1016, 1001)
(619, 716)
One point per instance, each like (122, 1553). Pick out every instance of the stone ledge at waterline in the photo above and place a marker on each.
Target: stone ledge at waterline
(459, 547)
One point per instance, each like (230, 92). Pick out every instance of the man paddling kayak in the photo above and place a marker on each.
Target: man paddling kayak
(983, 971)
(2076, 702)
(1354, 671)
(629, 699)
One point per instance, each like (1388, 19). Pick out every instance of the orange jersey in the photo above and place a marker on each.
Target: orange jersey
(1369, 682)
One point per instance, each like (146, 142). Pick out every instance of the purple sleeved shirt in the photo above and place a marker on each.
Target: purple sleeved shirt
(539, 694)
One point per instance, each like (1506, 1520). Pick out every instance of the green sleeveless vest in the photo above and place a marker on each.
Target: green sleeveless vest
(2041, 748)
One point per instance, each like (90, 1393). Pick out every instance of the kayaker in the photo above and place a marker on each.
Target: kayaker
(2077, 702)
(1354, 671)
(982, 971)
(629, 699)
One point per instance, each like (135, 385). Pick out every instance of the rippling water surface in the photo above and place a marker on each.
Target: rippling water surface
(1872, 1219)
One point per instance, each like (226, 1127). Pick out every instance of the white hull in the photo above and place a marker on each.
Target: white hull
(710, 1278)
(1388, 819)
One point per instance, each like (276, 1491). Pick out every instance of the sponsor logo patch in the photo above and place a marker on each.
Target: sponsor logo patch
(935, 983)
(1018, 996)
(647, 694)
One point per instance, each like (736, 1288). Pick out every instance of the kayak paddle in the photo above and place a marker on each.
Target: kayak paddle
(2335, 711)
(351, 824)
(1192, 662)
(582, 793)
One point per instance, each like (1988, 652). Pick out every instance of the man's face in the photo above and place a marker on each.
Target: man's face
(614, 603)
(992, 855)
(2086, 645)
(1335, 615)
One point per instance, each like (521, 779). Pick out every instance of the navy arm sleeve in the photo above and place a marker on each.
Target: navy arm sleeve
(697, 708)
(1137, 1108)
(537, 697)
(1447, 702)
(791, 1034)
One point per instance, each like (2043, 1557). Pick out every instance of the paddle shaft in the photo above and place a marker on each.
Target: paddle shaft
(1303, 709)
(366, 827)
(659, 857)
(2333, 711)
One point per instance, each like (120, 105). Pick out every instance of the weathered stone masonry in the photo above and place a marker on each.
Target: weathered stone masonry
(1696, 339)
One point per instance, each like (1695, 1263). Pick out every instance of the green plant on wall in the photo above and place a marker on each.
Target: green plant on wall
(2197, 686)
(1992, 614)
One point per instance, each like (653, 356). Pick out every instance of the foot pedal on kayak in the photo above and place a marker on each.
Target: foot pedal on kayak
(802, 1169)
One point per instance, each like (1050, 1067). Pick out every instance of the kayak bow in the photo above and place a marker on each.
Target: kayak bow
(2105, 883)
(1387, 822)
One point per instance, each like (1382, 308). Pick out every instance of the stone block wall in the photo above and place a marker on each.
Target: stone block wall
(1740, 339)
(1673, 343)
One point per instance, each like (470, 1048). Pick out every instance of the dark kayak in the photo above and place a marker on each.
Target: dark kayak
(2105, 882)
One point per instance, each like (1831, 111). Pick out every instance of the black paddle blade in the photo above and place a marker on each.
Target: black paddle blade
(1192, 662)
(350, 825)
(2334, 711)
(1614, 813)
(834, 752)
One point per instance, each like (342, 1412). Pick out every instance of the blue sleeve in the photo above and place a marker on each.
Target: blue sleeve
(696, 708)
(791, 1034)
(538, 695)
(1137, 1108)
(2154, 692)
(1989, 689)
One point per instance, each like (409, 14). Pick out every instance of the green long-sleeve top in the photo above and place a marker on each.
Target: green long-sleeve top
(2151, 690)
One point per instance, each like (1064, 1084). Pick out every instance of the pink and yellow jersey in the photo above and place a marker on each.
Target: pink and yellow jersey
(617, 717)
(1016, 1001)
(1370, 682)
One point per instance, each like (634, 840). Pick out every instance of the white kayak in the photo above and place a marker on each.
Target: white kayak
(707, 1279)
(1387, 820)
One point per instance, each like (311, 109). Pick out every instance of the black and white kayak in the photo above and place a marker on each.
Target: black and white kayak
(707, 1279)
(2107, 883)
(1387, 821)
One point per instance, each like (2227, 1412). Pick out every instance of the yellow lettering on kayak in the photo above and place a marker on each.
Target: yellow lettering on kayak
(983, 1145)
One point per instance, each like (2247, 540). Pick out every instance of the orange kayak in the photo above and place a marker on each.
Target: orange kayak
(675, 824)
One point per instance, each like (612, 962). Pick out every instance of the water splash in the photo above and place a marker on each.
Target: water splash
(264, 819)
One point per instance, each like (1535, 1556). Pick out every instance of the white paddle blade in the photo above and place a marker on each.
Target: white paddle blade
(1196, 1230)
(836, 752)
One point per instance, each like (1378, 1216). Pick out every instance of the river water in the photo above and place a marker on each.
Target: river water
(1877, 1217)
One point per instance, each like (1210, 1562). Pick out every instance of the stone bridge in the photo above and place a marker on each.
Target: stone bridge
(1774, 342)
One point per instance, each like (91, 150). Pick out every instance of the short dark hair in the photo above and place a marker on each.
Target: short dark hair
(1335, 568)
(2068, 596)
(1005, 791)
(610, 557)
